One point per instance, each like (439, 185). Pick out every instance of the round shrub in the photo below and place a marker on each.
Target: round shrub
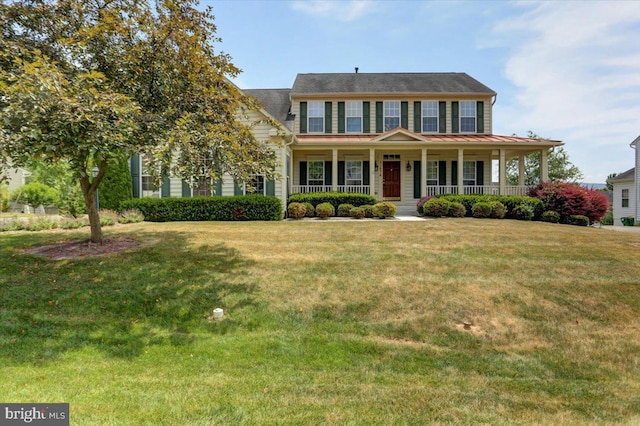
(457, 210)
(579, 220)
(419, 206)
(296, 210)
(498, 210)
(523, 212)
(357, 213)
(311, 211)
(368, 211)
(384, 209)
(551, 216)
(344, 210)
(131, 216)
(325, 210)
(482, 209)
(108, 217)
(36, 194)
(436, 207)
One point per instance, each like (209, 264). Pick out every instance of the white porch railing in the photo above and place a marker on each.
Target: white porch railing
(359, 189)
(310, 188)
(432, 190)
(516, 190)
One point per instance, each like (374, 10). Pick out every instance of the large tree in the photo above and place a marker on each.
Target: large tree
(560, 168)
(88, 81)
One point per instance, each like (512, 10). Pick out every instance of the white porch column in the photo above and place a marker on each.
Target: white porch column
(460, 171)
(372, 171)
(544, 166)
(423, 173)
(334, 170)
(521, 170)
(503, 172)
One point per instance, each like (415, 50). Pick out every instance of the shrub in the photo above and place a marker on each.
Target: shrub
(36, 194)
(72, 223)
(523, 212)
(310, 210)
(419, 206)
(108, 217)
(325, 210)
(509, 201)
(551, 216)
(579, 220)
(357, 213)
(344, 210)
(607, 219)
(436, 207)
(335, 198)
(457, 210)
(296, 210)
(131, 216)
(482, 209)
(384, 209)
(41, 224)
(12, 224)
(368, 211)
(241, 207)
(498, 210)
(116, 185)
(571, 199)
(4, 198)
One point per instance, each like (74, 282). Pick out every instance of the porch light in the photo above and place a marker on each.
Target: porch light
(376, 167)
(408, 166)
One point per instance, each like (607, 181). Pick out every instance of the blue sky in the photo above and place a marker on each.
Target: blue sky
(567, 70)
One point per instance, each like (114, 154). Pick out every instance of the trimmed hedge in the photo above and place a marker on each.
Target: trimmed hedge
(579, 220)
(344, 209)
(296, 210)
(240, 207)
(509, 201)
(325, 210)
(334, 198)
(384, 209)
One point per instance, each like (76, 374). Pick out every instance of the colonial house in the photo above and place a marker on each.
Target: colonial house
(398, 136)
(625, 190)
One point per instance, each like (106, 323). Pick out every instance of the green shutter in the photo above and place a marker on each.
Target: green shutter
(366, 117)
(480, 116)
(341, 117)
(417, 170)
(417, 116)
(218, 187)
(165, 189)
(328, 109)
(479, 172)
(341, 173)
(442, 172)
(303, 117)
(455, 121)
(454, 173)
(271, 187)
(442, 105)
(404, 115)
(365, 172)
(186, 189)
(327, 173)
(237, 188)
(303, 173)
(379, 117)
(135, 175)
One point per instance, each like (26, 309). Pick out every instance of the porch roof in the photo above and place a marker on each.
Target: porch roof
(417, 138)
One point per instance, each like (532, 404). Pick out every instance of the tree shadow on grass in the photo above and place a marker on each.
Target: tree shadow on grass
(160, 294)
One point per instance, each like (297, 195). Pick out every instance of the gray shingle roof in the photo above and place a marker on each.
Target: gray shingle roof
(276, 102)
(628, 175)
(388, 83)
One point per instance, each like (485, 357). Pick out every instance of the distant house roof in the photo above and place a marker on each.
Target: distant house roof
(276, 102)
(625, 176)
(458, 83)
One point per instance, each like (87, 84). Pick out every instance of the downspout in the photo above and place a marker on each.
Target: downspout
(636, 180)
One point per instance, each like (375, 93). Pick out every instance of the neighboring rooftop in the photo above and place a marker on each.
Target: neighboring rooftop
(276, 102)
(624, 176)
(388, 83)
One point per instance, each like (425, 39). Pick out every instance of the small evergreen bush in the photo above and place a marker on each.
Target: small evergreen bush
(482, 209)
(607, 219)
(384, 209)
(357, 213)
(296, 210)
(344, 210)
(368, 211)
(436, 207)
(523, 212)
(419, 206)
(310, 211)
(335, 198)
(551, 216)
(457, 210)
(579, 220)
(498, 210)
(325, 210)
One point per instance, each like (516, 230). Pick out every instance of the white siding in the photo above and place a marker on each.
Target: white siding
(618, 210)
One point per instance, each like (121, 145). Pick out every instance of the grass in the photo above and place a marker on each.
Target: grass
(339, 322)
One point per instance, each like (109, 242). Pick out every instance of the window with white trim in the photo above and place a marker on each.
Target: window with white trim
(469, 173)
(202, 187)
(353, 116)
(315, 172)
(255, 186)
(315, 117)
(353, 172)
(149, 187)
(625, 198)
(391, 115)
(429, 116)
(468, 116)
(432, 173)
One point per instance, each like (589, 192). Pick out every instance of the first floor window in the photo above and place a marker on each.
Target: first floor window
(432, 173)
(469, 173)
(148, 183)
(202, 187)
(256, 186)
(468, 116)
(429, 116)
(353, 173)
(316, 117)
(625, 198)
(354, 116)
(391, 115)
(315, 172)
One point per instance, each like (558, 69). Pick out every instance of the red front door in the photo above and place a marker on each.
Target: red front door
(391, 179)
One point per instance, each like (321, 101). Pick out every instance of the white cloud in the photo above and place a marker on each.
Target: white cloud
(576, 70)
(341, 10)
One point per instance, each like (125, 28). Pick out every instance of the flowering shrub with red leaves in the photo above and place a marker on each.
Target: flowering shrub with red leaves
(570, 199)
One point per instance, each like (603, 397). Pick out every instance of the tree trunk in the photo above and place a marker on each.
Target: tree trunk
(92, 212)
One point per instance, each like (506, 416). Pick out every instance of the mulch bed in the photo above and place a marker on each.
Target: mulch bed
(83, 248)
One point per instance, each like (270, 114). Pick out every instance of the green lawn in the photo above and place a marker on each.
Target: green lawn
(329, 322)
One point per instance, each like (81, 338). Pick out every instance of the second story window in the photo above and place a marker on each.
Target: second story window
(316, 117)
(468, 116)
(430, 116)
(354, 116)
(391, 115)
